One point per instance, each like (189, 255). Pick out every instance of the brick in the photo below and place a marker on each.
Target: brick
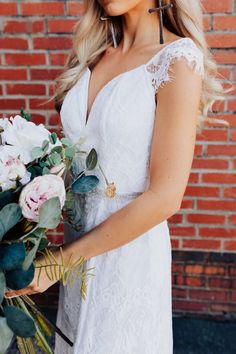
(44, 74)
(230, 192)
(224, 23)
(217, 232)
(13, 43)
(216, 164)
(52, 43)
(202, 191)
(41, 104)
(25, 89)
(189, 305)
(25, 59)
(221, 150)
(23, 26)
(208, 295)
(6, 104)
(201, 244)
(13, 74)
(206, 219)
(221, 40)
(61, 26)
(58, 58)
(219, 177)
(42, 8)
(220, 283)
(220, 205)
(182, 231)
(230, 246)
(74, 8)
(8, 9)
(194, 269)
(213, 135)
(213, 6)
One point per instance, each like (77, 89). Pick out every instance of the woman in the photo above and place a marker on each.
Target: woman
(138, 101)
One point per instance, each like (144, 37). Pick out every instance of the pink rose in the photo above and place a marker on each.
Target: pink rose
(35, 193)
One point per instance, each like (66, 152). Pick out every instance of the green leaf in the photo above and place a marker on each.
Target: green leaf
(50, 213)
(31, 254)
(57, 149)
(85, 184)
(36, 153)
(17, 279)
(46, 171)
(66, 142)
(35, 171)
(6, 197)
(9, 217)
(54, 158)
(20, 323)
(53, 138)
(43, 244)
(45, 145)
(91, 160)
(70, 152)
(6, 335)
(2, 286)
(12, 255)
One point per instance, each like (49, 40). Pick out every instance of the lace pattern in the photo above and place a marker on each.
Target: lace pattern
(161, 66)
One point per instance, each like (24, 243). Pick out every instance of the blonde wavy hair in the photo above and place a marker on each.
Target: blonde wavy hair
(92, 37)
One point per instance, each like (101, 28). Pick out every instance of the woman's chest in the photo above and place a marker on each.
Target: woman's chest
(122, 111)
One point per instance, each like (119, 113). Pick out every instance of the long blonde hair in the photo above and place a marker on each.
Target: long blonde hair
(92, 37)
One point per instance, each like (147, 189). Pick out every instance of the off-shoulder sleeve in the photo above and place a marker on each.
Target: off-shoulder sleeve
(160, 68)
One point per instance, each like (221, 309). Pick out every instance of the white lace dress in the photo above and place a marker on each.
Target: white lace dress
(128, 309)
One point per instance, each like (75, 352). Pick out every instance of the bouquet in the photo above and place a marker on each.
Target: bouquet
(34, 164)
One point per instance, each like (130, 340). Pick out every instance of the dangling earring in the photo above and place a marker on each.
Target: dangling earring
(104, 18)
(161, 9)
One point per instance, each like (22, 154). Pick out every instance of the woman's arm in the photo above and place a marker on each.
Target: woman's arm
(170, 164)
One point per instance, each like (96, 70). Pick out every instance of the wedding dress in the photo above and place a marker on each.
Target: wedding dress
(128, 308)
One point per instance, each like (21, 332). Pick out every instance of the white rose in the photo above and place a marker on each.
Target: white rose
(11, 170)
(35, 193)
(23, 136)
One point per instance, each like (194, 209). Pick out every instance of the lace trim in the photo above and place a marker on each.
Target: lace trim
(160, 67)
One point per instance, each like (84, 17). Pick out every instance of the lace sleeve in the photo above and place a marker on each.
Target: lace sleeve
(160, 67)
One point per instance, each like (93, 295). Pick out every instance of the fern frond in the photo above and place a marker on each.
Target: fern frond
(25, 345)
(65, 271)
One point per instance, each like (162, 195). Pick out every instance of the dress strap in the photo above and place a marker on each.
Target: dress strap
(185, 48)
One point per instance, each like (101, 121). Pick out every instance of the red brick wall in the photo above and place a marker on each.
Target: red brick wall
(34, 42)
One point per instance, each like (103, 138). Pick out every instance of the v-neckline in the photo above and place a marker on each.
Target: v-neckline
(86, 114)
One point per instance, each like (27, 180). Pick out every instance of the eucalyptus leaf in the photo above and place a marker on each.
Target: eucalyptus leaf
(55, 158)
(57, 149)
(6, 335)
(53, 138)
(7, 197)
(46, 171)
(31, 254)
(66, 142)
(45, 145)
(2, 286)
(50, 213)
(12, 255)
(37, 152)
(17, 279)
(35, 171)
(91, 160)
(9, 217)
(20, 323)
(70, 152)
(85, 184)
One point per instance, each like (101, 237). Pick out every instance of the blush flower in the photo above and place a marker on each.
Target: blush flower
(35, 193)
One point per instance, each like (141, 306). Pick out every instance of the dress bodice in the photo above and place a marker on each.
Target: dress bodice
(121, 119)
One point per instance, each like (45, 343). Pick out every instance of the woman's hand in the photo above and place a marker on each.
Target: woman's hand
(36, 286)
